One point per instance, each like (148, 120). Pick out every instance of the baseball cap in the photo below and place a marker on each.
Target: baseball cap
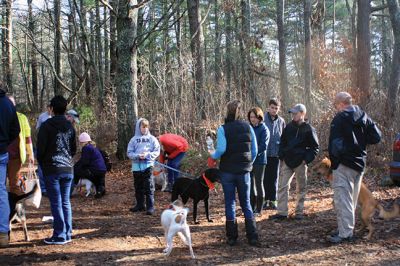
(74, 114)
(298, 108)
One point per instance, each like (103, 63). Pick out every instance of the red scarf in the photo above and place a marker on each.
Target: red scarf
(209, 184)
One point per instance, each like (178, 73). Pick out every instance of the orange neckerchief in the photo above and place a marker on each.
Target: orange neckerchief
(210, 184)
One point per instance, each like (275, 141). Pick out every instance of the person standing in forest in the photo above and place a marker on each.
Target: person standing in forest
(10, 129)
(237, 148)
(256, 119)
(298, 147)
(275, 124)
(55, 148)
(350, 132)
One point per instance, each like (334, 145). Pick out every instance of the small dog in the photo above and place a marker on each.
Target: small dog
(365, 198)
(17, 209)
(89, 186)
(159, 176)
(196, 189)
(173, 220)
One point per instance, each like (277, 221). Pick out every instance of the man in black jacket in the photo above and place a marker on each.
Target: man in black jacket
(298, 147)
(9, 130)
(351, 131)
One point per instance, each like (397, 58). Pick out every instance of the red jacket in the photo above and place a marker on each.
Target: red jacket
(173, 145)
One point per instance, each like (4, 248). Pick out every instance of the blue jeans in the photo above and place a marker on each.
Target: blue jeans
(58, 190)
(176, 164)
(39, 172)
(4, 205)
(229, 184)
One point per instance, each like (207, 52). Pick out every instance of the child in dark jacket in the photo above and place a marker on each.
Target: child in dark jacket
(91, 165)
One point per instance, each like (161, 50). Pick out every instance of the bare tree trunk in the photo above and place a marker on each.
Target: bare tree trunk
(33, 59)
(72, 44)
(100, 61)
(196, 46)
(228, 52)
(280, 10)
(394, 11)
(126, 77)
(217, 50)
(385, 50)
(57, 46)
(307, 56)
(106, 50)
(113, 42)
(7, 47)
(363, 51)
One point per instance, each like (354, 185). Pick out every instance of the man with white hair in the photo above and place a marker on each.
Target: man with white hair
(351, 130)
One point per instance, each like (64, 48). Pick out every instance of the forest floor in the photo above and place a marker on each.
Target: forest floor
(105, 232)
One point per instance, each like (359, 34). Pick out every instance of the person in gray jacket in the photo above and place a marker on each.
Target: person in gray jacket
(275, 124)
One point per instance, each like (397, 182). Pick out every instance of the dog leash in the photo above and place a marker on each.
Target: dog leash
(175, 170)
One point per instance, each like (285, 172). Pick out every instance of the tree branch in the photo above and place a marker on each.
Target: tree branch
(140, 4)
(378, 8)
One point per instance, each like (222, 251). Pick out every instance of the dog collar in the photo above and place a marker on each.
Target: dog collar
(209, 184)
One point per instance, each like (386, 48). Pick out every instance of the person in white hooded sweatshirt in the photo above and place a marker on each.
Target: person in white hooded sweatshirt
(143, 150)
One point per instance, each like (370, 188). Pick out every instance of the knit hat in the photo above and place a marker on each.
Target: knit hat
(74, 114)
(84, 137)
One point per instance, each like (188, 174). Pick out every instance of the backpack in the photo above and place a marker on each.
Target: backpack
(107, 160)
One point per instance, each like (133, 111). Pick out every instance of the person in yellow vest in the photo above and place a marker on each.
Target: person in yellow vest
(19, 151)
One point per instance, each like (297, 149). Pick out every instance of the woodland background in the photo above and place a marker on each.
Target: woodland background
(178, 62)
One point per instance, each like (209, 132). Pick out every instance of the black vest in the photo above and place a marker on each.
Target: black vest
(237, 157)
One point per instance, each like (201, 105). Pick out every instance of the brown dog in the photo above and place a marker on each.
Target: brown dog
(365, 199)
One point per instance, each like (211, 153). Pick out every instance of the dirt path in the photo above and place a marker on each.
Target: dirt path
(105, 232)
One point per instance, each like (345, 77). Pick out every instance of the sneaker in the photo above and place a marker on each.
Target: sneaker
(137, 209)
(277, 217)
(299, 217)
(273, 205)
(334, 233)
(150, 212)
(4, 240)
(265, 206)
(55, 241)
(337, 239)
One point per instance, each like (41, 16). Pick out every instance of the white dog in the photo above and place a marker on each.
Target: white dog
(159, 176)
(89, 186)
(173, 221)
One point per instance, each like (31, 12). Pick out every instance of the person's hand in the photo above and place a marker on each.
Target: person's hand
(31, 159)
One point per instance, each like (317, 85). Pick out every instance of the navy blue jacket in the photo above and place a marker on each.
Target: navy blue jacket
(9, 125)
(92, 159)
(298, 143)
(351, 131)
(262, 136)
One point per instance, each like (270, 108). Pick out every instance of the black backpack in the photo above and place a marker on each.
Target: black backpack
(107, 160)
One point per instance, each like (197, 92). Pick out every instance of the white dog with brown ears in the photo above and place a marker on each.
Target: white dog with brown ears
(173, 220)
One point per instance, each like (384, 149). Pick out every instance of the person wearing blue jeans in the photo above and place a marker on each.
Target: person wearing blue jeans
(58, 189)
(55, 148)
(174, 163)
(10, 129)
(237, 148)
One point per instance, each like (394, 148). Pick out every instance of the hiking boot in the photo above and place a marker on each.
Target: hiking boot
(137, 208)
(4, 240)
(299, 217)
(265, 206)
(251, 232)
(277, 217)
(55, 241)
(337, 239)
(231, 232)
(273, 205)
(150, 212)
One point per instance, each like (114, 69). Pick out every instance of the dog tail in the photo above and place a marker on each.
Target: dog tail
(386, 215)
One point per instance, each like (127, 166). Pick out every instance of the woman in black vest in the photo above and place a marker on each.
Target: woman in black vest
(237, 148)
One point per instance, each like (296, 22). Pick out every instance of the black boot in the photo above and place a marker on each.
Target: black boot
(139, 203)
(231, 232)
(259, 204)
(251, 232)
(149, 204)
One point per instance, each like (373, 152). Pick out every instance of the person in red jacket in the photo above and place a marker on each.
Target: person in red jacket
(173, 149)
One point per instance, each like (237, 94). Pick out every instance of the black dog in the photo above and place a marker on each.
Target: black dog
(17, 208)
(196, 189)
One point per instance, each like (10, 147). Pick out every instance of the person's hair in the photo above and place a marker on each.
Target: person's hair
(3, 86)
(257, 112)
(233, 111)
(344, 97)
(274, 102)
(144, 123)
(59, 105)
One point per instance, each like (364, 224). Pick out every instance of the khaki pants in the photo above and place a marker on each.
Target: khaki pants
(346, 187)
(13, 172)
(285, 178)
